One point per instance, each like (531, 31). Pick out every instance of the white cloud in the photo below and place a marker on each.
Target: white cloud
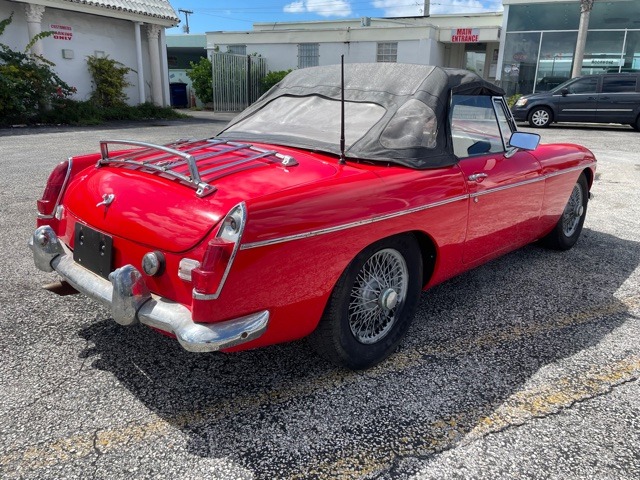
(324, 8)
(399, 8)
(466, 6)
(294, 7)
(408, 8)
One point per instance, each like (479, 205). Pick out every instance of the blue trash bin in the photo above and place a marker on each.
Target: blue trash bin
(178, 93)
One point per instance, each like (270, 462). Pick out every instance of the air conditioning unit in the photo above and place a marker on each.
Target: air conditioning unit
(365, 22)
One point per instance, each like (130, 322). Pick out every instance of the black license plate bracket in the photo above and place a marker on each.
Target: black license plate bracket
(93, 250)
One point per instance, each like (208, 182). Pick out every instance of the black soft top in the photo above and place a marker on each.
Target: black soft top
(394, 112)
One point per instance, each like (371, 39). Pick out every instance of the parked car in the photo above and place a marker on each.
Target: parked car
(604, 98)
(272, 231)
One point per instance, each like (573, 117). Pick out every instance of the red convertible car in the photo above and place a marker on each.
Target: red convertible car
(276, 229)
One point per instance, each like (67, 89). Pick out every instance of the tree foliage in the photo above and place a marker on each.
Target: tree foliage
(201, 76)
(272, 78)
(28, 85)
(109, 81)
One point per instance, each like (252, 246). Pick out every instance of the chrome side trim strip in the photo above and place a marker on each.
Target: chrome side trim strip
(569, 170)
(337, 228)
(541, 178)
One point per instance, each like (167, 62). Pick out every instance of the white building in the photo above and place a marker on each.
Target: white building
(129, 31)
(460, 41)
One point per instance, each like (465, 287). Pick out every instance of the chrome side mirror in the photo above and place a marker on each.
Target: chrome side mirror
(522, 141)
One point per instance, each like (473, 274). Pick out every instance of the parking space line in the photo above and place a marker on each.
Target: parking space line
(446, 433)
(561, 394)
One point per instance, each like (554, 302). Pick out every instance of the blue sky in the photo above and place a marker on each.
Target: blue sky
(212, 15)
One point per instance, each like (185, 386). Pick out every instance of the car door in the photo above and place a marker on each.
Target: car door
(578, 101)
(505, 189)
(618, 101)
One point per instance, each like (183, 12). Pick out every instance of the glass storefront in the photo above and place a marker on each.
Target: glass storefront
(541, 39)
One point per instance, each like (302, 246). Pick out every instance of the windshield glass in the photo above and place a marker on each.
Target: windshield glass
(312, 118)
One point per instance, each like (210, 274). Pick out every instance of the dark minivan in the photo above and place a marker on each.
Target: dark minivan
(604, 98)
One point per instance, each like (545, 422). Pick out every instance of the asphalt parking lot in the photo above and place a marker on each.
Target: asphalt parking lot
(524, 368)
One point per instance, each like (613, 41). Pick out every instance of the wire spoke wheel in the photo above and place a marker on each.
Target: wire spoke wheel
(372, 303)
(569, 226)
(573, 212)
(377, 295)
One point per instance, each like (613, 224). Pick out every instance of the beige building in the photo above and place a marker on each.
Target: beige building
(461, 41)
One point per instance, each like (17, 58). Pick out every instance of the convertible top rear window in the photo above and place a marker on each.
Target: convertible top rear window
(394, 113)
(312, 118)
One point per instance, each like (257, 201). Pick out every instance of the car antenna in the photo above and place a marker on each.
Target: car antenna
(342, 160)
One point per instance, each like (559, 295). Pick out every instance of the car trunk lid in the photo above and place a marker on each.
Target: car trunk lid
(171, 196)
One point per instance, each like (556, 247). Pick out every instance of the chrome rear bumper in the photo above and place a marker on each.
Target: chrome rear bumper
(129, 299)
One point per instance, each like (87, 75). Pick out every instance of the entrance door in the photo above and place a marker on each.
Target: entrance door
(475, 56)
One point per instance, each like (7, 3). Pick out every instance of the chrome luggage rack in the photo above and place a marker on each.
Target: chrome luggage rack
(176, 160)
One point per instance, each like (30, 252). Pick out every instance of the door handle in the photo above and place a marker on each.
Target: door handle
(477, 177)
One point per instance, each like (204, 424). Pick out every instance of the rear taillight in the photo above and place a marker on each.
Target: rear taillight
(52, 191)
(208, 276)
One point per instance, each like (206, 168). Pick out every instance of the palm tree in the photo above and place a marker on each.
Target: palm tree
(585, 10)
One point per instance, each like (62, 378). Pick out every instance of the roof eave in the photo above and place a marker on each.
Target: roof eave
(107, 12)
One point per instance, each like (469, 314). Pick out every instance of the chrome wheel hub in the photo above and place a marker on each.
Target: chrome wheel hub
(388, 299)
(377, 295)
(573, 212)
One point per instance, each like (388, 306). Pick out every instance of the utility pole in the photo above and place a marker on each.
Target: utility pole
(186, 18)
(585, 12)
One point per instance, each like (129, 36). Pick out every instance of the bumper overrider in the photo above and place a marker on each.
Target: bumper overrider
(130, 301)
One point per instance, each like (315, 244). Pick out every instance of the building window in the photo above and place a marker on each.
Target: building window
(387, 52)
(308, 55)
(237, 49)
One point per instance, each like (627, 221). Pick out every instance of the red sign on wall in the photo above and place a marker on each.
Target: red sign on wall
(465, 35)
(61, 32)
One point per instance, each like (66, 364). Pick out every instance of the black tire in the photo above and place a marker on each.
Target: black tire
(567, 231)
(343, 336)
(540, 117)
(636, 125)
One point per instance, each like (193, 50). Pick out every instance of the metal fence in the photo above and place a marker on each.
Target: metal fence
(236, 81)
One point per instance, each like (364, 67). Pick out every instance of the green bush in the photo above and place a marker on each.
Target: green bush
(511, 101)
(109, 80)
(72, 112)
(272, 78)
(201, 76)
(28, 85)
